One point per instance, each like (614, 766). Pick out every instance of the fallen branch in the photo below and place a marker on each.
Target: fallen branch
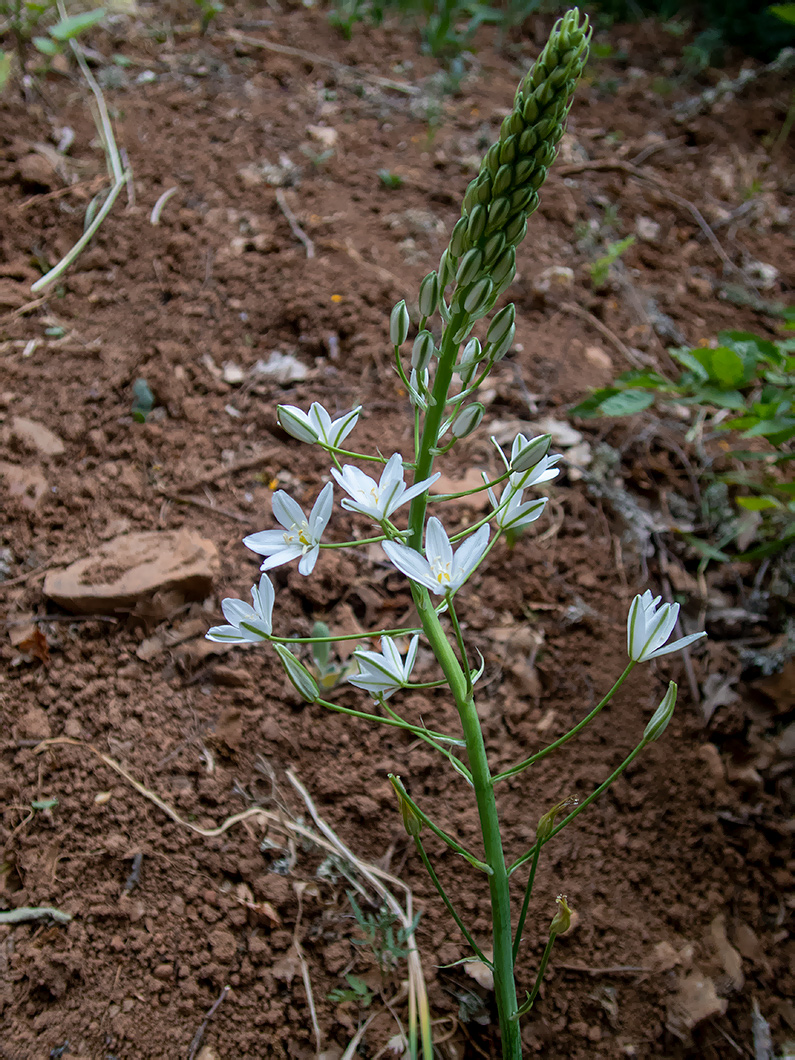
(199, 1035)
(603, 329)
(38, 912)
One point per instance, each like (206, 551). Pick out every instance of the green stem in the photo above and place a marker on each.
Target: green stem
(352, 544)
(398, 784)
(423, 734)
(517, 941)
(502, 938)
(426, 862)
(528, 1004)
(567, 736)
(395, 723)
(583, 805)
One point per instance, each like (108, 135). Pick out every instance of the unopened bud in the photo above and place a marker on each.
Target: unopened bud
(476, 223)
(446, 270)
(530, 454)
(469, 267)
(468, 420)
(662, 715)
(422, 351)
(295, 428)
(504, 267)
(501, 324)
(429, 295)
(478, 296)
(411, 821)
(303, 682)
(498, 352)
(561, 921)
(470, 358)
(458, 240)
(399, 324)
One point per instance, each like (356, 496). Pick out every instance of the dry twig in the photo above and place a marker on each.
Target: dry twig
(603, 329)
(292, 221)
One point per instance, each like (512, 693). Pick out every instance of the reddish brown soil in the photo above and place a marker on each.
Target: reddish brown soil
(693, 844)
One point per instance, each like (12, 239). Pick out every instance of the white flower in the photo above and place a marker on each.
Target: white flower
(383, 673)
(544, 471)
(247, 624)
(516, 515)
(379, 500)
(650, 626)
(439, 569)
(317, 425)
(301, 536)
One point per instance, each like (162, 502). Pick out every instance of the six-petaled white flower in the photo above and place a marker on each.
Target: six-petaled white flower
(382, 673)
(516, 514)
(300, 537)
(440, 570)
(317, 425)
(649, 626)
(379, 499)
(247, 623)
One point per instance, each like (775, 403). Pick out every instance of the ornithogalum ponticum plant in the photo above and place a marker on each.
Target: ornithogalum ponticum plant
(442, 373)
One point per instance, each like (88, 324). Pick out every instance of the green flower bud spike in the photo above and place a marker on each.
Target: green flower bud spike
(499, 200)
(429, 295)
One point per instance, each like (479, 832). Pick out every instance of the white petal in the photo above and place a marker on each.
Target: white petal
(237, 610)
(392, 656)
(321, 419)
(410, 563)
(265, 542)
(342, 427)
(411, 655)
(419, 487)
(225, 635)
(308, 561)
(287, 511)
(437, 543)
(321, 512)
(677, 645)
(635, 628)
(285, 555)
(263, 596)
(469, 553)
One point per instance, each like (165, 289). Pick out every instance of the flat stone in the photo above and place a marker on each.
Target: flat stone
(36, 436)
(28, 484)
(132, 567)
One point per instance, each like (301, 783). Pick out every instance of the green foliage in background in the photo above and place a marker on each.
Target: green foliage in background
(36, 22)
(747, 385)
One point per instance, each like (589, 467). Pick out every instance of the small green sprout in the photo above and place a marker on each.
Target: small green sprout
(390, 179)
(600, 269)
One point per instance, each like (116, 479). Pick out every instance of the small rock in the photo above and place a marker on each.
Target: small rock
(207, 1052)
(35, 169)
(700, 285)
(26, 483)
(36, 436)
(233, 373)
(325, 136)
(282, 368)
(696, 1001)
(130, 568)
(647, 230)
(599, 358)
(163, 971)
(553, 281)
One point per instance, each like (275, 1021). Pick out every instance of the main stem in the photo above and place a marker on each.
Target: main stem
(502, 939)
(502, 936)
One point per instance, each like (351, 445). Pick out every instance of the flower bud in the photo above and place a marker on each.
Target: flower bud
(494, 246)
(561, 921)
(458, 240)
(468, 420)
(422, 351)
(469, 267)
(429, 295)
(503, 179)
(504, 267)
(515, 230)
(411, 821)
(499, 212)
(301, 679)
(478, 295)
(501, 324)
(399, 324)
(295, 428)
(530, 454)
(498, 352)
(662, 715)
(477, 223)
(446, 270)
(471, 355)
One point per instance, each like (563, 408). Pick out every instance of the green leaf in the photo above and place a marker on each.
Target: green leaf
(758, 504)
(5, 69)
(767, 428)
(786, 12)
(712, 395)
(727, 366)
(643, 379)
(706, 549)
(44, 804)
(74, 25)
(691, 360)
(627, 403)
(592, 405)
(46, 46)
